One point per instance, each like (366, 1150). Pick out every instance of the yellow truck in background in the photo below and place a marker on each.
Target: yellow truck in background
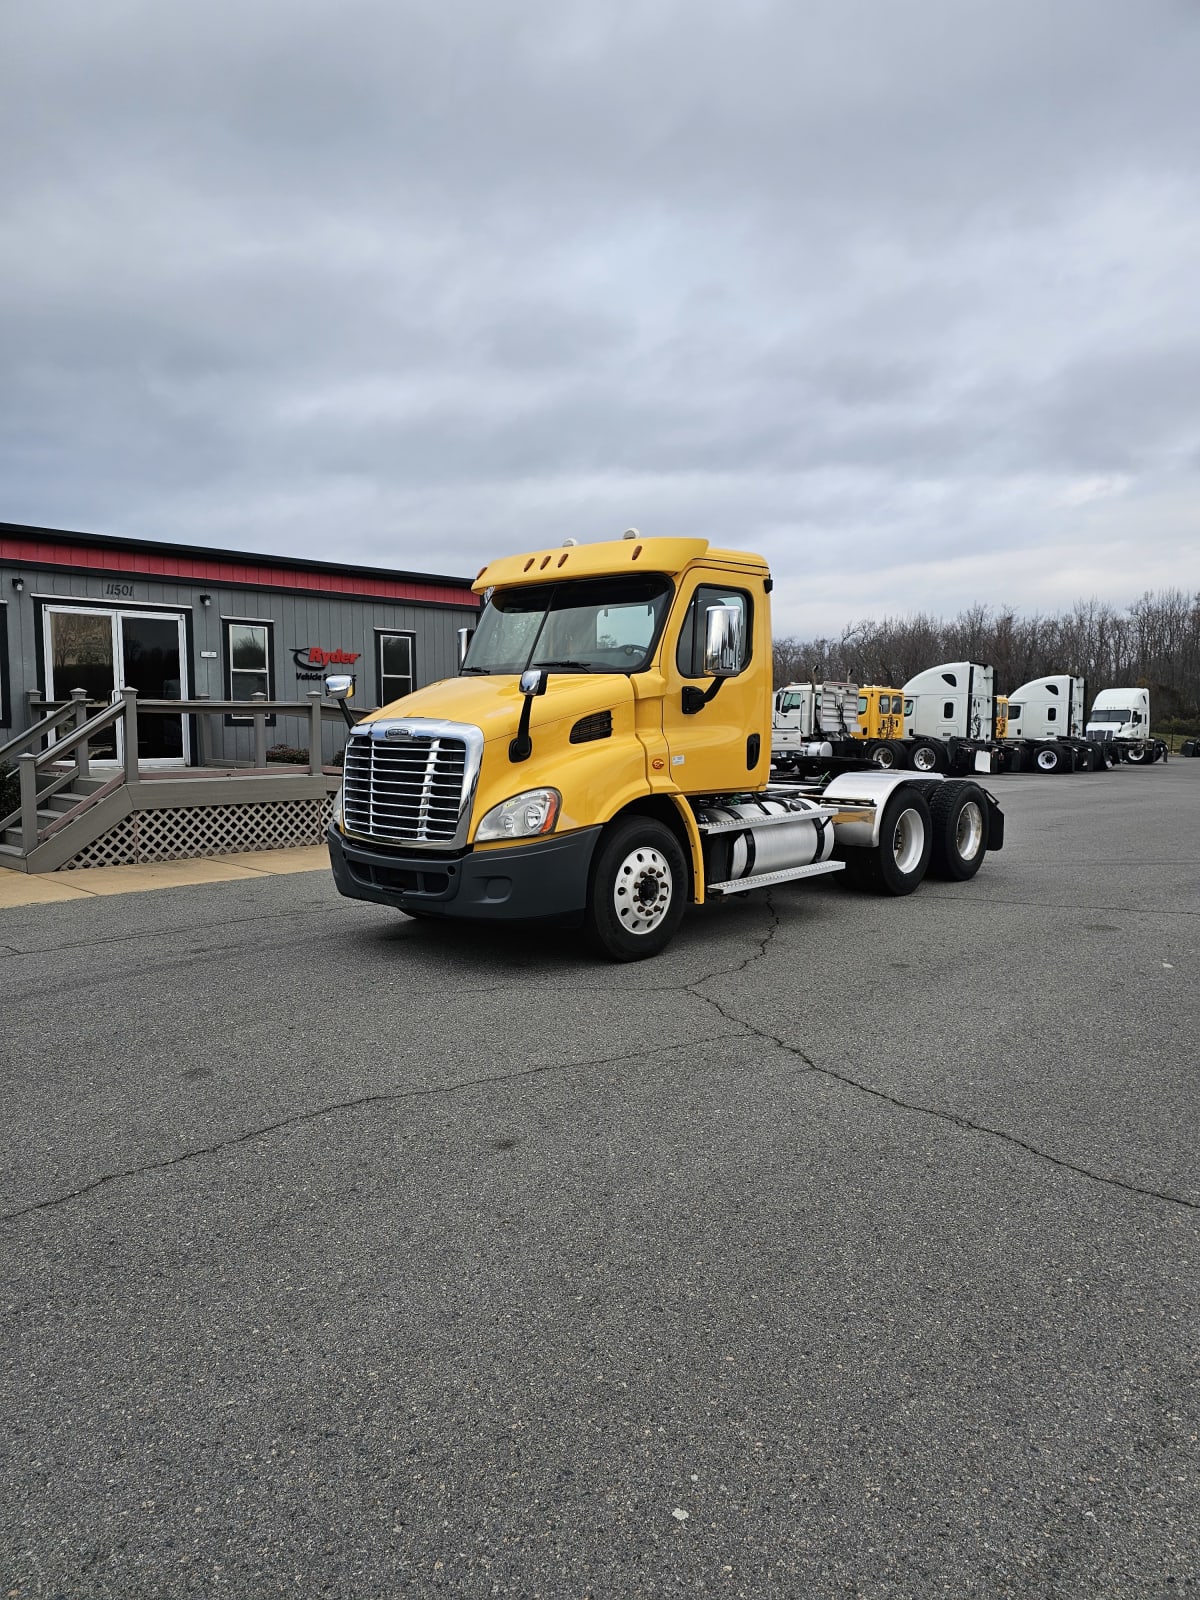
(604, 758)
(835, 726)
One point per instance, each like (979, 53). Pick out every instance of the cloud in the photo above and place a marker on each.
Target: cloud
(896, 295)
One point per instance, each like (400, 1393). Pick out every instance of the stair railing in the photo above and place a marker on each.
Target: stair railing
(32, 765)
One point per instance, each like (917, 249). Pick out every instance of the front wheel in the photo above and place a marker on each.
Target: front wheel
(638, 890)
(1137, 755)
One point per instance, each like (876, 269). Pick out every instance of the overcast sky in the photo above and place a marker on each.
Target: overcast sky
(903, 294)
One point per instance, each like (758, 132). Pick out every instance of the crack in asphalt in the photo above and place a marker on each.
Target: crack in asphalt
(693, 987)
(356, 1102)
(966, 1124)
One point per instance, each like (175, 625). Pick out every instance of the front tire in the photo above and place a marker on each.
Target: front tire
(959, 817)
(638, 890)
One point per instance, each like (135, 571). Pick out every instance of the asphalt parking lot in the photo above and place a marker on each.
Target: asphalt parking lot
(847, 1249)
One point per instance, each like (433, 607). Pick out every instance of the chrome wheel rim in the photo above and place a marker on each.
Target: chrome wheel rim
(923, 759)
(968, 835)
(884, 758)
(642, 890)
(908, 841)
(1047, 760)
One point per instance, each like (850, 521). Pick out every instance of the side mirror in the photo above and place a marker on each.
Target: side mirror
(534, 681)
(723, 641)
(340, 687)
(465, 635)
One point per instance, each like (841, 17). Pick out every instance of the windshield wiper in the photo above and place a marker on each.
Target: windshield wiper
(482, 672)
(582, 666)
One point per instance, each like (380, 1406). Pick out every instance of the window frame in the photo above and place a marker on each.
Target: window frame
(382, 699)
(232, 719)
(5, 680)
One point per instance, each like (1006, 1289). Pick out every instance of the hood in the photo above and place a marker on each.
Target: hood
(493, 704)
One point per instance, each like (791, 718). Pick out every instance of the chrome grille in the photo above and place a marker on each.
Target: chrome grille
(410, 789)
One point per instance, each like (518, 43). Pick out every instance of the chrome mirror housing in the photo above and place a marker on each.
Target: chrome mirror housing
(340, 686)
(723, 641)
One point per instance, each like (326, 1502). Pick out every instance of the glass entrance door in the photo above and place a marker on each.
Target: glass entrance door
(81, 654)
(150, 657)
(102, 651)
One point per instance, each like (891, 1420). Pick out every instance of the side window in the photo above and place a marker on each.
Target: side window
(395, 666)
(1051, 713)
(689, 655)
(248, 661)
(948, 709)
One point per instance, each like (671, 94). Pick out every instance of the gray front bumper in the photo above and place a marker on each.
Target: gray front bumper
(544, 878)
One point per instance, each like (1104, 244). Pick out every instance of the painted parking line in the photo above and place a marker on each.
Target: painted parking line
(27, 888)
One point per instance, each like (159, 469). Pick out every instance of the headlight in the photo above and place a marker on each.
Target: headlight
(337, 809)
(522, 817)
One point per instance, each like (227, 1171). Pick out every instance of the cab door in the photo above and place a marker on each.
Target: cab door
(717, 741)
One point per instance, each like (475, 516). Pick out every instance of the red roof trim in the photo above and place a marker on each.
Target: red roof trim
(255, 574)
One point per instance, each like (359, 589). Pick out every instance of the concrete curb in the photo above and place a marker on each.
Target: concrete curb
(24, 889)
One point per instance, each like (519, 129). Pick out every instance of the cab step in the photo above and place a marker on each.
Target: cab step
(764, 880)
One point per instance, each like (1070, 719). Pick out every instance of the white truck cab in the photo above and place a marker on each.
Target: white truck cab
(1047, 708)
(1120, 719)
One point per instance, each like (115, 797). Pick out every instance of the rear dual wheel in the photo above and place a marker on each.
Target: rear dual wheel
(959, 819)
(1051, 758)
(896, 865)
(889, 754)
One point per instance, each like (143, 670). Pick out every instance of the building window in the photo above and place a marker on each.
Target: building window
(248, 660)
(395, 666)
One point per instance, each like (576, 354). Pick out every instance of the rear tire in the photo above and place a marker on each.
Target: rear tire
(1050, 758)
(959, 817)
(926, 755)
(896, 865)
(638, 890)
(884, 754)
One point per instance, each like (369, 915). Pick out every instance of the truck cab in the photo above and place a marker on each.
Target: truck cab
(1120, 720)
(1047, 708)
(880, 713)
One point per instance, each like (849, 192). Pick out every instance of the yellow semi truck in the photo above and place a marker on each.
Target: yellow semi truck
(604, 756)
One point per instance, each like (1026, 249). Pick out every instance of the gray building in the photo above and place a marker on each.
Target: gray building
(86, 611)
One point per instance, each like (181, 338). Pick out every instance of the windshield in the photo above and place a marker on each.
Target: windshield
(1107, 715)
(591, 625)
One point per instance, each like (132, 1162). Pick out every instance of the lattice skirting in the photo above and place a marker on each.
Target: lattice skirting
(190, 831)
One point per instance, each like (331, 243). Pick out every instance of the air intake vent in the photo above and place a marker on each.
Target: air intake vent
(597, 726)
(405, 788)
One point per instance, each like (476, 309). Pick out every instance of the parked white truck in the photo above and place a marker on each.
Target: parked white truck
(1045, 731)
(836, 726)
(948, 713)
(1120, 720)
